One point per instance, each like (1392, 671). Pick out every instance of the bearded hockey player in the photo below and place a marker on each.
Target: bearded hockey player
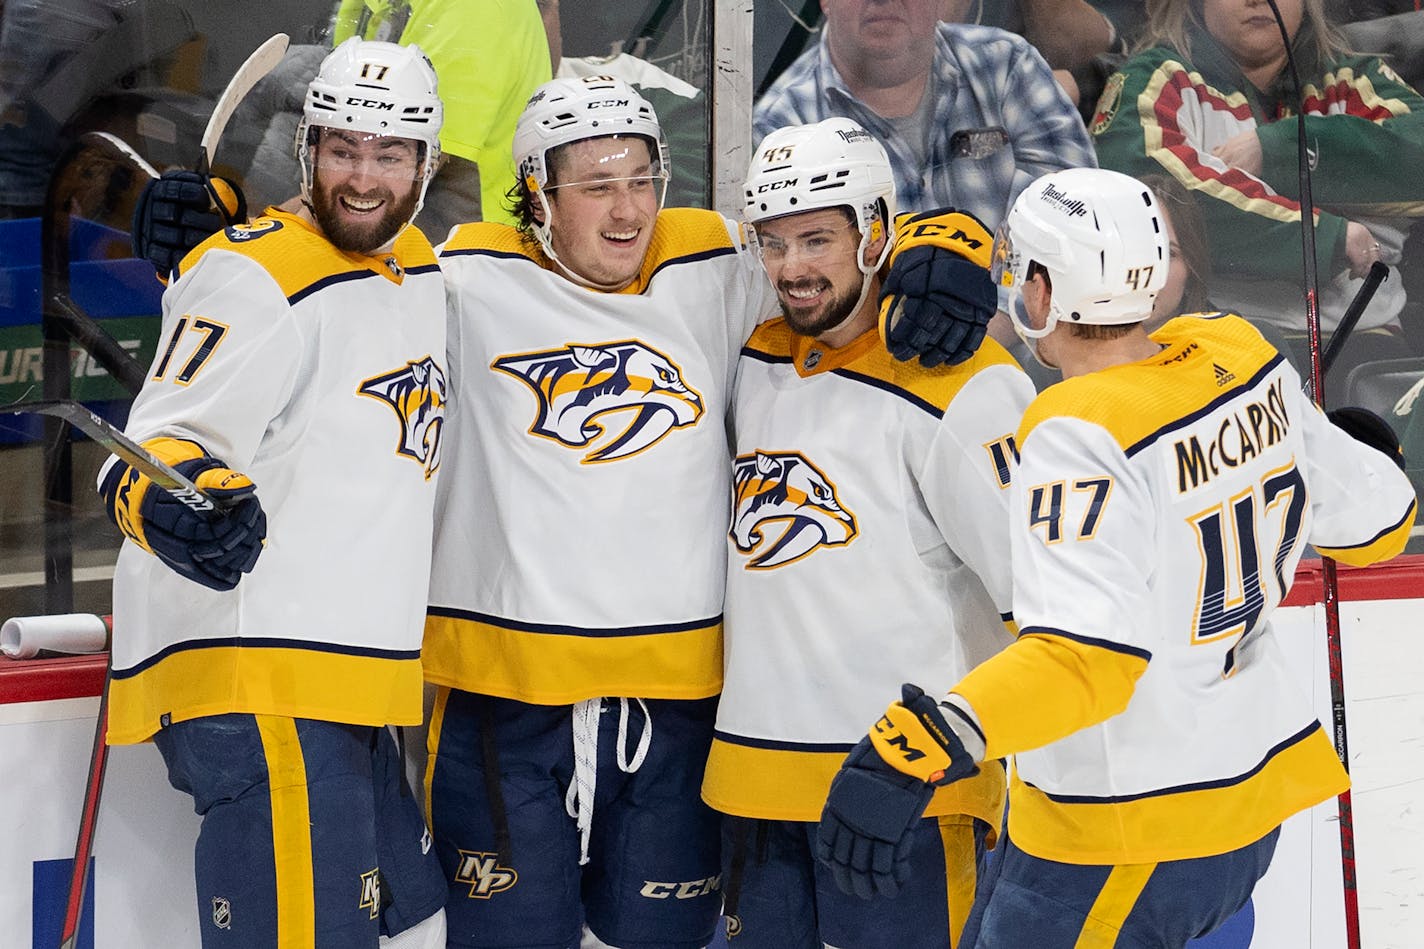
(869, 544)
(265, 648)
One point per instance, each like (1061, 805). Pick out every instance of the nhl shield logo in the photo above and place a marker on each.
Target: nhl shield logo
(616, 398)
(417, 393)
(222, 912)
(784, 488)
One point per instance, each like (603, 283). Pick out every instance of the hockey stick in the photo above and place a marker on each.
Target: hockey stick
(158, 471)
(257, 65)
(169, 479)
(1331, 580)
(126, 150)
(88, 823)
(1363, 296)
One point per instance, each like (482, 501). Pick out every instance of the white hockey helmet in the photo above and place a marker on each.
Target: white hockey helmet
(830, 164)
(378, 89)
(1102, 239)
(567, 110)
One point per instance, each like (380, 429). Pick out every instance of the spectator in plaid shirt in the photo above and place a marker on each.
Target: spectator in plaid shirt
(969, 114)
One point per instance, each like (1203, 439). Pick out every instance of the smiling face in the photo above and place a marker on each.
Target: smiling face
(364, 187)
(603, 202)
(811, 260)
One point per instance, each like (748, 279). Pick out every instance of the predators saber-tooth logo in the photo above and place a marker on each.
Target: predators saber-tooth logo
(417, 393)
(625, 396)
(785, 488)
(484, 874)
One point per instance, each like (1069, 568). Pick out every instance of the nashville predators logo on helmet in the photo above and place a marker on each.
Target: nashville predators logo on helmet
(772, 489)
(616, 399)
(417, 393)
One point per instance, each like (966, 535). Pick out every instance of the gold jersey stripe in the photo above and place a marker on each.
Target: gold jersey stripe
(262, 680)
(679, 233)
(1387, 545)
(298, 256)
(1131, 400)
(866, 359)
(789, 784)
(559, 669)
(1178, 825)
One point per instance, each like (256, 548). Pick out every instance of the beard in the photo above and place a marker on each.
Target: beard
(362, 237)
(825, 317)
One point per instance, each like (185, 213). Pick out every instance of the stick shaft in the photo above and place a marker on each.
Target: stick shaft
(158, 471)
(88, 825)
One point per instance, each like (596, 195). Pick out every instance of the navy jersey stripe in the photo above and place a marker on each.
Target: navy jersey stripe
(253, 642)
(557, 629)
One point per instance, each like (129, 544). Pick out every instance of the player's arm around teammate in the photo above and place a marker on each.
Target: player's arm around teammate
(265, 650)
(1165, 494)
(868, 542)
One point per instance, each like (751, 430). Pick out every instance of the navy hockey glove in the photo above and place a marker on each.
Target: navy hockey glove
(1365, 426)
(881, 793)
(938, 297)
(179, 211)
(214, 548)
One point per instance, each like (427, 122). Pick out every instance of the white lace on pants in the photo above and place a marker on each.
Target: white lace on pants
(579, 800)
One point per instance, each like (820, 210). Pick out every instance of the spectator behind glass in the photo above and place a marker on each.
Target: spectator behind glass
(1190, 270)
(1069, 34)
(1201, 102)
(969, 114)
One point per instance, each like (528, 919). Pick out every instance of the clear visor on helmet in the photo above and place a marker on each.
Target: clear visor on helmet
(814, 246)
(596, 183)
(346, 152)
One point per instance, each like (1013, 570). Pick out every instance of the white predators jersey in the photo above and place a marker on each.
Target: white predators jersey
(1160, 510)
(869, 547)
(319, 374)
(579, 547)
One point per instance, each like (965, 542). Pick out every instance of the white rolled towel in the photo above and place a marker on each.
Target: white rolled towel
(22, 637)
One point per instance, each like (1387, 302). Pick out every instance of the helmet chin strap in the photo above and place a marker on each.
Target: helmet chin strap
(867, 274)
(1018, 316)
(544, 233)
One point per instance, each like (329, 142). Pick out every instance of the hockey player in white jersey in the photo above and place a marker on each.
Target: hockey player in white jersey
(264, 650)
(575, 621)
(868, 545)
(1166, 491)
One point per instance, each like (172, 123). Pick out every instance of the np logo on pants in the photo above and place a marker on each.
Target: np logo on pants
(371, 892)
(484, 874)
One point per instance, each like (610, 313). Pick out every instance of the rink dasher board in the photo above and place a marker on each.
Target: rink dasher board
(143, 890)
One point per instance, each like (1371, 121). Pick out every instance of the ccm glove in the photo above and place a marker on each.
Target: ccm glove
(214, 548)
(883, 788)
(1365, 426)
(938, 297)
(179, 211)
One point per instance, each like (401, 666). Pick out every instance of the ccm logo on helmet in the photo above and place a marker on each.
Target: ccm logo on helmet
(371, 104)
(608, 104)
(776, 185)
